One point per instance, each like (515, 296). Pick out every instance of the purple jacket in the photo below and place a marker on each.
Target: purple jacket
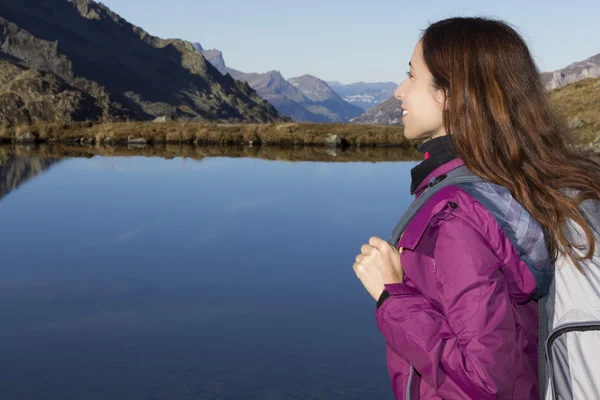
(464, 317)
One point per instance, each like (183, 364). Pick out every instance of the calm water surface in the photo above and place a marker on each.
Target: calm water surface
(225, 278)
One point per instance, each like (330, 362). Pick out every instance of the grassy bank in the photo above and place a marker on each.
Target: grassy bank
(579, 103)
(287, 134)
(168, 151)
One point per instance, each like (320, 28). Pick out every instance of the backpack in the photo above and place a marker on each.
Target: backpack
(568, 299)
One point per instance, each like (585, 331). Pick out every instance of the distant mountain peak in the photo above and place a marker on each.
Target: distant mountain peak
(314, 88)
(575, 72)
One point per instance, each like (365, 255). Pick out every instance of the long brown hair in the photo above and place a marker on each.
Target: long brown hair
(503, 126)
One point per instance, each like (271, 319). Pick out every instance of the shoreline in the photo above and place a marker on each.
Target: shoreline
(170, 151)
(338, 137)
(177, 132)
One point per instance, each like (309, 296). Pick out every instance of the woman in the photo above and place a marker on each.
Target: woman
(456, 296)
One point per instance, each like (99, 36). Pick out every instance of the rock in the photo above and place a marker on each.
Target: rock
(597, 84)
(86, 140)
(250, 143)
(108, 141)
(575, 123)
(161, 119)
(333, 140)
(27, 137)
(134, 140)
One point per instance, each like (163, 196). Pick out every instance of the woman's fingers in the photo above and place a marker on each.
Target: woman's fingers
(365, 249)
(359, 258)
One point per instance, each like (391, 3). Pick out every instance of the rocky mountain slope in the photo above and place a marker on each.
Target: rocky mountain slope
(589, 68)
(284, 96)
(325, 101)
(106, 68)
(365, 95)
(386, 113)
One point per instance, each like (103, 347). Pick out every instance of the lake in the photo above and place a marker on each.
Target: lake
(144, 277)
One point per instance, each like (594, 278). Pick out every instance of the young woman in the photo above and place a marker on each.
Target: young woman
(456, 295)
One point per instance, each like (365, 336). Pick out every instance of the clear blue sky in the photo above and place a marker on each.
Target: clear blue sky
(350, 40)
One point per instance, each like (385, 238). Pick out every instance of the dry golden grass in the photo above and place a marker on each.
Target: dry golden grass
(580, 100)
(168, 151)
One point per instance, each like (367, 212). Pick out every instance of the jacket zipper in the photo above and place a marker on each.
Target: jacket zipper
(560, 330)
(410, 375)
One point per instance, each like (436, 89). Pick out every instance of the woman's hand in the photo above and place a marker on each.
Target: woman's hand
(377, 264)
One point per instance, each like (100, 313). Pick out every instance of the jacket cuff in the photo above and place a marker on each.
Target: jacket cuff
(400, 289)
(395, 289)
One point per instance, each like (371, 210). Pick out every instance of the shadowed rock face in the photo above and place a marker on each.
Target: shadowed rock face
(16, 170)
(86, 49)
(29, 95)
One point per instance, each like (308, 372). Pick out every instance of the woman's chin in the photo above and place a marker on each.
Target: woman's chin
(411, 135)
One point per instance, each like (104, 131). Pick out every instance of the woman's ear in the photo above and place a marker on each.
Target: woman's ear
(441, 97)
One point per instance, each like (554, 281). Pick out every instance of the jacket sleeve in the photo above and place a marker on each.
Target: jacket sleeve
(464, 345)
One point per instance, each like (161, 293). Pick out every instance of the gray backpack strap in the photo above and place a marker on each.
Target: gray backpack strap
(454, 177)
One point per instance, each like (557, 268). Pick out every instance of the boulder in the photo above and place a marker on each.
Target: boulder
(333, 140)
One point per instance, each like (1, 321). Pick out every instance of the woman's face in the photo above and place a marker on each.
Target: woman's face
(422, 104)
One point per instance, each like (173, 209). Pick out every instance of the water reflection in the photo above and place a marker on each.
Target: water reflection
(162, 277)
(18, 169)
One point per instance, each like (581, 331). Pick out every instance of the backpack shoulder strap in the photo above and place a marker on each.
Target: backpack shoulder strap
(454, 177)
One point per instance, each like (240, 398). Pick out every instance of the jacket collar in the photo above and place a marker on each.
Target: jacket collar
(441, 170)
(437, 152)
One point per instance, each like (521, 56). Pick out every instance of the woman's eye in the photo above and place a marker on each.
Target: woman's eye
(408, 73)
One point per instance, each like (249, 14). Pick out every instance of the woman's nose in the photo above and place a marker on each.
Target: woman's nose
(399, 92)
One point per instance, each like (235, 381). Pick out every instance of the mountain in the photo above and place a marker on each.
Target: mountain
(271, 82)
(284, 96)
(363, 94)
(289, 100)
(104, 68)
(28, 95)
(386, 113)
(589, 68)
(324, 100)
(215, 57)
